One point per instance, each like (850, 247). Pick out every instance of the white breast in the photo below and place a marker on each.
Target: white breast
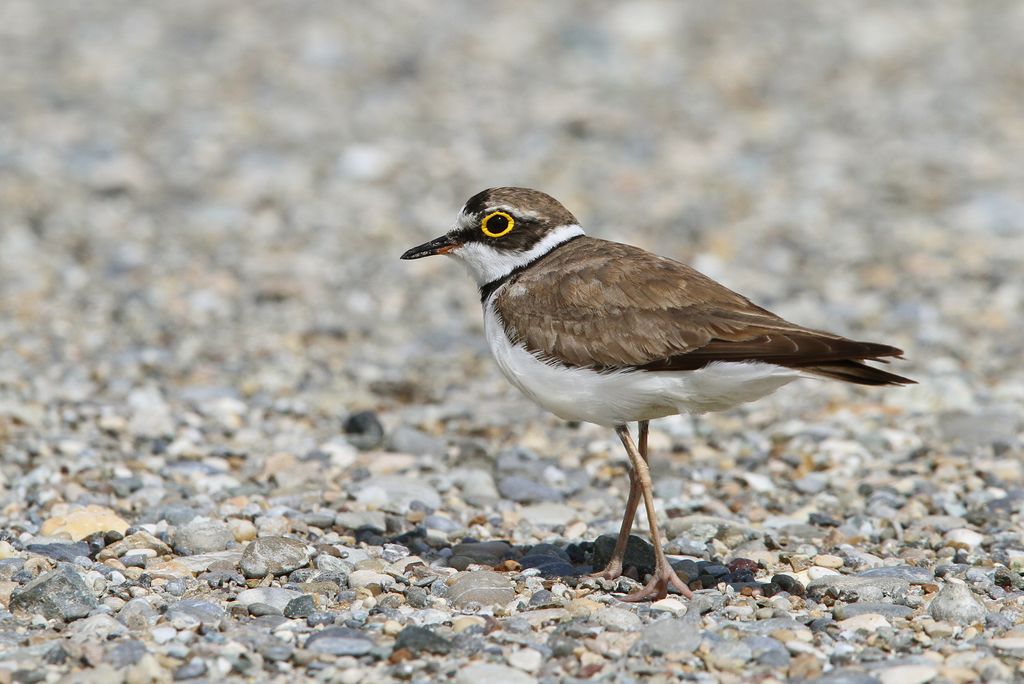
(618, 397)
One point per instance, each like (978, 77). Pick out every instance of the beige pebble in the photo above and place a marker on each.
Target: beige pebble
(242, 530)
(464, 622)
(85, 521)
(827, 560)
(867, 621)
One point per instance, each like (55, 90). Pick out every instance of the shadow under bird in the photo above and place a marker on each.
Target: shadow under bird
(607, 333)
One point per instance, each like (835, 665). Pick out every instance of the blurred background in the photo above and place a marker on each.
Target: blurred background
(209, 198)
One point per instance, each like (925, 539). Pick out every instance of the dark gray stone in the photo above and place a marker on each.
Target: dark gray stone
(190, 670)
(639, 553)
(60, 593)
(364, 430)
(422, 640)
(300, 607)
(63, 552)
(125, 653)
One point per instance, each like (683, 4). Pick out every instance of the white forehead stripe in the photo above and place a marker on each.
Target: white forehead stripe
(485, 263)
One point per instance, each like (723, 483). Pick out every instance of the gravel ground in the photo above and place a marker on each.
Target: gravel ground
(242, 441)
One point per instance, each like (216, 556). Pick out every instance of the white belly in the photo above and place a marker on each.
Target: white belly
(619, 397)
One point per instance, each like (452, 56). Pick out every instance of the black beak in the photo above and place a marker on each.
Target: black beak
(441, 245)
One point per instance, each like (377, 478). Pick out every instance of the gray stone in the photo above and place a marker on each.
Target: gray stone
(60, 551)
(397, 493)
(677, 636)
(138, 613)
(886, 610)
(846, 677)
(126, 652)
(548, 514)
(617, 619)
(272, 596)
(481, 673)
(354, 520)
(483, 587)
(706, 527)
(408, 440)
(980, 429)
(956, 603)
(726, 654)
(422, 640)
(852, 589)
(60, 593)
(201, 536)
(339, 641)
(300, 607)
(273, 556)
(767, 651)
(910, 573)
(95, 628)
(207, 613)
(525, 490)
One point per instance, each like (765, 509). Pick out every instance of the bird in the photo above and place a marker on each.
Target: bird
(611, 334)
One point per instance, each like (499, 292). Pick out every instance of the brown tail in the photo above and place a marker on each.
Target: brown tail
(857, 372)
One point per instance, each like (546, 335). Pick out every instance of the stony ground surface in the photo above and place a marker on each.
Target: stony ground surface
(241, 441)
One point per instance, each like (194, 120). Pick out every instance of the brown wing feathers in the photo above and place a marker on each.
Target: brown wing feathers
(606, 305)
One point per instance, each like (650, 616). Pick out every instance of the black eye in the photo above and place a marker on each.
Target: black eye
(496, 224)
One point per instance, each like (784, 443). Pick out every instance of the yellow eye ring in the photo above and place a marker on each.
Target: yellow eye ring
(508, 222)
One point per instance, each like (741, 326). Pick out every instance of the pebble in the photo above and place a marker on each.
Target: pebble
(956, 603)
(907, 674)
(676, 636)
(275, 597)
(421, 640)
(491, 672)
(618, 619)
(201, 536)
(397, 493)
(339, 641)
(483, 587)
(273, 556)
(60, 593)
(868, 622)
(83, 522)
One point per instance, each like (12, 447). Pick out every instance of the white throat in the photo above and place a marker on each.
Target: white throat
(487, 264)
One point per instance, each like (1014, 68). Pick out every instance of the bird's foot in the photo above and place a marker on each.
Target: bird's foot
(612, 571)
(657, 588)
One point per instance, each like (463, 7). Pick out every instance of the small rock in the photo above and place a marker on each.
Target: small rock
(909, 573)
(548, 514)
(339, 641)
(60, 593)
(272, 596)
(364, 430)
(60, 551)
(355, 520)
(466, 622)
(618, 619)
(376, 582)
(526, 659)
(202, 536)
(524, 490)
(86, 521)
(639, 553)
(827, 560)
(964, 538)
(671, 636)
(421, 640)
(907, 674)
(207, 613)
(273, 556)
(477, 673)
(397, 493)
(196, 667)
(300, 607)
(484, 587)
(868, 622)
(887, 610)
(956, 603)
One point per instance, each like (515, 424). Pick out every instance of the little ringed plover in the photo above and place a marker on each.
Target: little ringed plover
(607, 333)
